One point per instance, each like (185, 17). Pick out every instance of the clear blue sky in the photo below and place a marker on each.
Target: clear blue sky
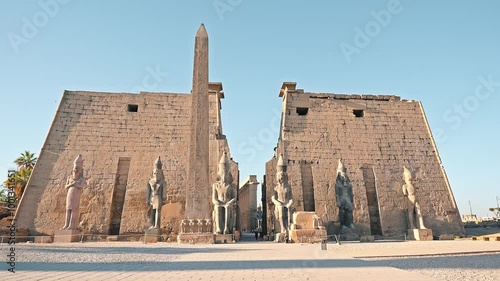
(438, 52)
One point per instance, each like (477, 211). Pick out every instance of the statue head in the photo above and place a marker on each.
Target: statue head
(157, 170)
(224, 170)
(408, 178)
(281, 177)
(281, 166)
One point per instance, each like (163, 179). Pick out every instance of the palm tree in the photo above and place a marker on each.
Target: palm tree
(22, 176)
(25, 164)
(26, 160)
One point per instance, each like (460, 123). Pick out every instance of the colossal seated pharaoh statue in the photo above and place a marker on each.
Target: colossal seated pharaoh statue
(156, 194)
(74, 185)
(223, 198)
(282, 199)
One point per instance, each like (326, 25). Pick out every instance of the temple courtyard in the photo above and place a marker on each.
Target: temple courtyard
(251, 260)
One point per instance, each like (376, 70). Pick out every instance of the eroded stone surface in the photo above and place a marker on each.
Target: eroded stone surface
(118, 134)
(374, 135)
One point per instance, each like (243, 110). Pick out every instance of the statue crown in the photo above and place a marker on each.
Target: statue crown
(78, 161)
(407, 174)
(341, 167)
(158, 163)
(223, 159)
(281, 162)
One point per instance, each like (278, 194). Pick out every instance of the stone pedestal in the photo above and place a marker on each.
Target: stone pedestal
(280, 237)
(112, 238)
(367, 238)
(349, 234)
(67, 236)
(420, 234)
(308, 235)
(446, 237)
(43, 239)
(224, 238)
(237, 236)
(307, 228)
(151, 235)
(196, 238)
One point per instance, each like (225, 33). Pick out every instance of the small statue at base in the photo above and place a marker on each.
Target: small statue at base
(74, 185)
(156, 194)
(223, 198)
(415, 219)
(343, 190)
(282, 198)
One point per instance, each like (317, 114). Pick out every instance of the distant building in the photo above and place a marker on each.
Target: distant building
(248, 203)
(469, 218)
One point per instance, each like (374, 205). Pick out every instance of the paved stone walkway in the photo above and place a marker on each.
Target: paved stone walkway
(162, 261)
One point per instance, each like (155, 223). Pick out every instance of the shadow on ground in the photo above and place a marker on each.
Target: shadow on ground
(131, 250)
(193, 265)
(476, 261)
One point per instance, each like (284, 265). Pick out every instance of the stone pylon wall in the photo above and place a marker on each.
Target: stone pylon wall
(100, 127)
(391, 133)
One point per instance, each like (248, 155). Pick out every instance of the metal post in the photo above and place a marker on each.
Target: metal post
(323, 244)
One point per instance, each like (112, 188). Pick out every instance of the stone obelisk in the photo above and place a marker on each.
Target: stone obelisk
(198, 187)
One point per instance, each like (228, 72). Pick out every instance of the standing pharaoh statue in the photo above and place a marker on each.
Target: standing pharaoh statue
(343, 190)
(156, 194)
(223, 198)
(415, 219)
(282, 198)
(258, 217)
(74, 185)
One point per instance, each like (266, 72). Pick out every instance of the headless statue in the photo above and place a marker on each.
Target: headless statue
(156, 194)
(74, 185)
(223, 198)
(415, 219)
(282, 198)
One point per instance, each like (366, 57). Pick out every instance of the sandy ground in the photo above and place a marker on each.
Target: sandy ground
(249, 260)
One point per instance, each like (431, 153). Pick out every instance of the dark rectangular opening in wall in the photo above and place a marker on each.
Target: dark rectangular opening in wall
(132, 108)
(307, 187)
(118, 195)
(302, 110)
(372, 198)
(358, 112)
